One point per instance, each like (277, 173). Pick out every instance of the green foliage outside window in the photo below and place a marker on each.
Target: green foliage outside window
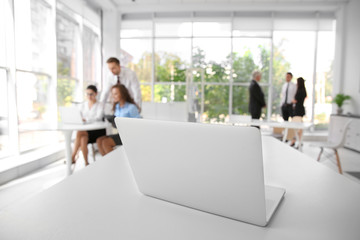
(65, 86)
(171, 68)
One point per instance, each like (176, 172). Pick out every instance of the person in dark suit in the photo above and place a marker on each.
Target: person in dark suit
(299, 109)
(300, 96)
(257, 99)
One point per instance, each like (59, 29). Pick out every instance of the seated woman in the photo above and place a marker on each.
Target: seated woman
(91, 111)
(124, 106)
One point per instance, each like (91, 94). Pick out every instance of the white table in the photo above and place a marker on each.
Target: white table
(102, 202)
(67, 130)
(286, 125)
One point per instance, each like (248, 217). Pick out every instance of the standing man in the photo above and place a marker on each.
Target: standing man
(121, 75)
(287, 96)
(257, 99)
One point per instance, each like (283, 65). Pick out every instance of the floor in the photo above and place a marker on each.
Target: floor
(46, 177)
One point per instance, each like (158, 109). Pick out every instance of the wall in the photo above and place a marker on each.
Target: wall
(111, 38)
(350, 84)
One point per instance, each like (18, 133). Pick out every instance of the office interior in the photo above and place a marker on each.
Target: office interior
(194, 61)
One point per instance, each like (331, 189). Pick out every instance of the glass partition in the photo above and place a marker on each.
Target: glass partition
(33, 107)
(33, 35)
(324, 79)
(289, 57)
(227, 50)
(91, 57)
(4, 114)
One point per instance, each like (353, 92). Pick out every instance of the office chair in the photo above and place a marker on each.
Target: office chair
(336, 140)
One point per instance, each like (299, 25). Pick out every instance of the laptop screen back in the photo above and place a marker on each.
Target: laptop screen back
(70, 115)
(213, 168)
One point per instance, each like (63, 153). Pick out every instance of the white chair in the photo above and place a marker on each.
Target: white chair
(336, 140)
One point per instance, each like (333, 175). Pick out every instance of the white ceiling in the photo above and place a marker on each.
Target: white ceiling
(215, 5)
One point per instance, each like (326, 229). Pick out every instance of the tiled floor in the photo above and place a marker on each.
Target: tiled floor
(46, 177)
(350, 160)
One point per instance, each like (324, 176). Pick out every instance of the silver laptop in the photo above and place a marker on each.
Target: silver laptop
(213, 168)
(71, 115)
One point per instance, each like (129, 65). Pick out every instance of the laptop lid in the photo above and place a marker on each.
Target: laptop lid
(70, 115)
(213, 168)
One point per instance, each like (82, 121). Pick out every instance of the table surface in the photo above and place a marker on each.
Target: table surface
(102, 202)
(285, 124)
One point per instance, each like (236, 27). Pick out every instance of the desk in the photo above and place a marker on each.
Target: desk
(67, 130)
(286, 125)
(102, 202)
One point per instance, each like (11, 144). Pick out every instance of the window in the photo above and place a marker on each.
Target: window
(91, 56)
(213, 54)
(324, 79)
(35, 98)
(211, 29)
(224, 52)
(171, 63)
(3, 21)
(33, 18)
(28, 65)
(69, 59)
(33, 103)
(136, 54)
(4, 115)
(168, 28)
(289, 57)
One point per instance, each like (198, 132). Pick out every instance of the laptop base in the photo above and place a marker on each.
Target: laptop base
(273, 197)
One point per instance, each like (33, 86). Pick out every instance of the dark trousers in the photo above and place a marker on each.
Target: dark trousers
(255, 115)
(287, 111)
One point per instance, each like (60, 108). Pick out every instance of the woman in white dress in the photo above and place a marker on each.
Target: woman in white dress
(91, 111)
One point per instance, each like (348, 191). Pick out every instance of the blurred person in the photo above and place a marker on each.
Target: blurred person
(124, 76)
(299, 109)
(257, 98)
(287, 95)
(91, 111)
(123, 106)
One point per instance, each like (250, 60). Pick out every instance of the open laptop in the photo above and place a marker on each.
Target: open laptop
(71, 115)
(213, 168)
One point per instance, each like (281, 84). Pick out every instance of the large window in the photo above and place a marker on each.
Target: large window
(91, 55)
(299, 61)
(5, 14)
(69, 58)
(208, 61)
(324, 78)
(34, 106)
(4, 114)
(171, 60)
(78, 56)
(3, 17)
(137, 54)
(34, 34)
(28, 86)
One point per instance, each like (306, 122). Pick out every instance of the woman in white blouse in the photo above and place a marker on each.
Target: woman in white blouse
(91, 111)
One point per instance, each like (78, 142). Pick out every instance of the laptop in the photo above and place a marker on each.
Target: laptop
(71, 115)
(217, 169)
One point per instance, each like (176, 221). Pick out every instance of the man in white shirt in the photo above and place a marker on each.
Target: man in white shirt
(121, 75)
(288, 92)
